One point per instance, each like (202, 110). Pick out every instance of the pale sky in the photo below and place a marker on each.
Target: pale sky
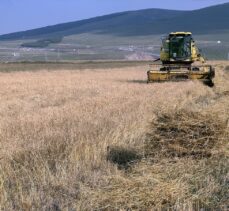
(18, 15)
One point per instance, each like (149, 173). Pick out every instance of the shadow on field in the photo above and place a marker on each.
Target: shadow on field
(135, 81)
(122, 157)
(209, 83)
(227, 69)
(206, 83)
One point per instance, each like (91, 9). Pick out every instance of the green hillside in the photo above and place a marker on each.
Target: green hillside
(132, 35)
(109, 23)
(138, 23)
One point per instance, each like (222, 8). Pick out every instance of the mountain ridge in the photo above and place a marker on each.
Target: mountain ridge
(137, 23)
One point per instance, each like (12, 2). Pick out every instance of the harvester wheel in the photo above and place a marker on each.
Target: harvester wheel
(209, 83)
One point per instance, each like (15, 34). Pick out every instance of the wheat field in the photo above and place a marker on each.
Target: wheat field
(104, 139)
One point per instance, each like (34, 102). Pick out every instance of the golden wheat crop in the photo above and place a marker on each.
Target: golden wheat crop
(103, 139)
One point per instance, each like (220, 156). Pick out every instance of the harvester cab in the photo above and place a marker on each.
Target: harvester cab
(178, 56)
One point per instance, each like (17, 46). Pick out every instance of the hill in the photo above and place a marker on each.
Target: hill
(211, 20)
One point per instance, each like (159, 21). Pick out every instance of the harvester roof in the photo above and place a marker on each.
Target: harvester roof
(180, 33)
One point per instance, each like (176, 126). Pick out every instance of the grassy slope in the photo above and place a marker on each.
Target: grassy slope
(168, 142)
(124, 19)
(143, 22)
(107, 47)
(106, 34)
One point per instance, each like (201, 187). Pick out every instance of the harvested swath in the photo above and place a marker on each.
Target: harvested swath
(183, 133)
(136, 193)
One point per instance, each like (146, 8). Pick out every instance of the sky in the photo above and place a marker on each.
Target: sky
(19, 15)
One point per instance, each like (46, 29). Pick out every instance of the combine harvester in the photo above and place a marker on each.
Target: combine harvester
(179, 55)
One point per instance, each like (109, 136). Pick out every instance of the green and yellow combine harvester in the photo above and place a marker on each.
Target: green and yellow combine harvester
(179, 55)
